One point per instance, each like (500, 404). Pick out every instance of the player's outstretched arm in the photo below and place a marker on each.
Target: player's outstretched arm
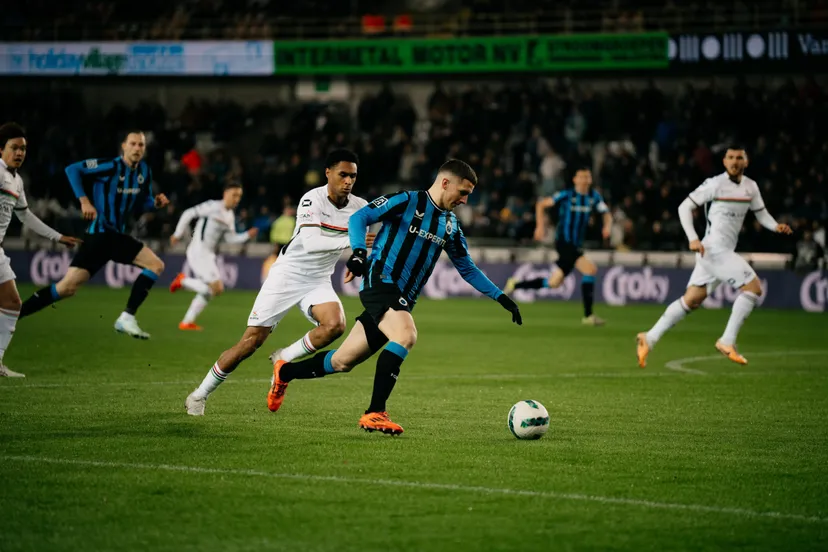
(541, 206)
(189, 215)
(241, 237)
(458, 252)
(29, 219)
(757, 205)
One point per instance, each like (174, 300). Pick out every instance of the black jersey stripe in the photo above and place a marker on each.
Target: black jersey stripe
(410, 238)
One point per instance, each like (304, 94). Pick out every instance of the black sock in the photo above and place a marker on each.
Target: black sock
(588, 293)
(140, 290)
(317, 366)
(537, 283)
(388, 368)
(41, 299)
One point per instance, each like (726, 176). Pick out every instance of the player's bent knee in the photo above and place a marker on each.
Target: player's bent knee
(334, 328)
(754, 287)
(216, 288)
(408, 339)
(11, 303)
(157, 266)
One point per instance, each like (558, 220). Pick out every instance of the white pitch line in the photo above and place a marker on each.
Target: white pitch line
(744, 512)
(678, 364)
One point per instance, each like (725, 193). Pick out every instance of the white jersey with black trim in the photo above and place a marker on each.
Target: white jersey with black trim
(214, 223)
(320, 235)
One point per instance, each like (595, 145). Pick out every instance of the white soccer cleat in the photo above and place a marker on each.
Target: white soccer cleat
(195, 405)
(6, 373)
(130, 326)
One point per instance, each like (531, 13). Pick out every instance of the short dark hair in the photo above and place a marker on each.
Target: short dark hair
(10, 131)
(126, 133)
(735, 147)
(232, 183)
(460, 169)
(337, 156)
(579, 168)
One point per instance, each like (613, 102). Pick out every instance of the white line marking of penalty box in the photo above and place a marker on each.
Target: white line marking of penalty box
(607, 500)
(678, 364)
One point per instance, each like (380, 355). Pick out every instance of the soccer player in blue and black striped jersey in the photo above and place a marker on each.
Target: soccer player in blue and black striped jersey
(110, 191)
(575, 207)
(416, 228)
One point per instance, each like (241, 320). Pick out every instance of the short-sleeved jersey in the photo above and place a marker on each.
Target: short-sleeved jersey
(115, 189)
(319, 223)
(414, 233)
(574, 210)
(214, 223)
(12, 196)
(728, 203)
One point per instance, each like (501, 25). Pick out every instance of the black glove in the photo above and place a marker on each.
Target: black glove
(358, 262)
(507, 303)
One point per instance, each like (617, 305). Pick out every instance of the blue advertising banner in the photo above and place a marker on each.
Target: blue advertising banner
(616, 285)
(202, 58)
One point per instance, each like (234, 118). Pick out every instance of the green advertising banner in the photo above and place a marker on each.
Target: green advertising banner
(472, 55)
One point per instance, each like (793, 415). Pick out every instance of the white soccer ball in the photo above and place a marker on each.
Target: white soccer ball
(528, 420)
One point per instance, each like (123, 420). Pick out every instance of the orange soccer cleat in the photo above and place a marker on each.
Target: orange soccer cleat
(731, 353)
(176, 284)
(642, 349)
(276, 395)
(379, 421)
(189, 327)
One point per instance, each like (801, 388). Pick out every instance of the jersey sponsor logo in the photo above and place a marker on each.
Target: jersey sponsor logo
(620, 285)
(306, 203)
(128, 191)
(813, 293)
(422, 233)
(379, 202)
(305, 216)
(91, 163)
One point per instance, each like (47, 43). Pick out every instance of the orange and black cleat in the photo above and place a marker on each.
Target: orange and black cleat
(276, 395)
(642, 349)
(731, 353)
(189, 327)
(379, 421)
(176, 284)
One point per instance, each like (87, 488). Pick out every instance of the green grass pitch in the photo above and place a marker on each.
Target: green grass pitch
(97, 453)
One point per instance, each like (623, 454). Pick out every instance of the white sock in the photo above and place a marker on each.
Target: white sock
(302, 347)
(742, 307)
(212, 380)
(196, 306)
(195, 285)
(674, 313)
(8, 320)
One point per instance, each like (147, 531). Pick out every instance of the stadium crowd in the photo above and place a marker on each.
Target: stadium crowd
(270, 19)
(523, 139)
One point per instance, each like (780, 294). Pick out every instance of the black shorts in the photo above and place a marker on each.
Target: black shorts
(98, 249)
(567, 255)
(380, 297)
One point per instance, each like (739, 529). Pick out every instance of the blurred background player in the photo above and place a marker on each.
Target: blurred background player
(575, 207)
(216, 222)
(416, 228)
(301, 276)
(13, 148)
(119, 188)
(731, 195)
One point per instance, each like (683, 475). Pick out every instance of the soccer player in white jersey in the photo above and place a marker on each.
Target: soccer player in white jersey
(215, 222)
(13, 200)
(300, 277)
(730, 195)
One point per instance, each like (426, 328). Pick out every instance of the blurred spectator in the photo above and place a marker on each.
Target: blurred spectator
(282, 229)
(808, 255)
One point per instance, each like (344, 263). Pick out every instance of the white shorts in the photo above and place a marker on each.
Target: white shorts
(203, 265)
(6, 272)
(280, 292)
(716, 268)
